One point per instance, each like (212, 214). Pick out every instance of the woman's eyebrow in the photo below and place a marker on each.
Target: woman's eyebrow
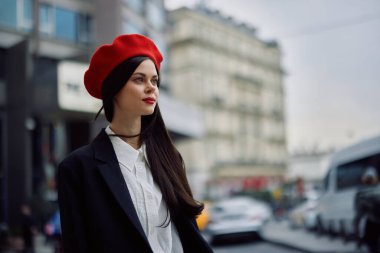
(138, 73)
(142, 74)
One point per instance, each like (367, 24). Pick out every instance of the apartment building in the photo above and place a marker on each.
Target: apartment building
(235, 79)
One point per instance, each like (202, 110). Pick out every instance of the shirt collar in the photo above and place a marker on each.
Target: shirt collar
(125, 153)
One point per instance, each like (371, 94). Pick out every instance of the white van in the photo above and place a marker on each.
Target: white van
(344, 177)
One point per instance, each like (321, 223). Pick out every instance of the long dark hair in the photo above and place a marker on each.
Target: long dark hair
(166, 164)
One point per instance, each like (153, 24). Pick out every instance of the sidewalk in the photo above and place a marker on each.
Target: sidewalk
(280, 233)
(41, 246)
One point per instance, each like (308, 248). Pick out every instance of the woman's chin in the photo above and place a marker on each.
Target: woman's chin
(147, 113)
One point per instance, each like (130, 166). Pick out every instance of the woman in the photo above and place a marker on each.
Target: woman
(127, 191)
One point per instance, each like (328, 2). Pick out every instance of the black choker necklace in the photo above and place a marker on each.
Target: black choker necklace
(124, 136)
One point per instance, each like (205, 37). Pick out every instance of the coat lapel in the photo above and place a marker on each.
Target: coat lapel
(110, 170)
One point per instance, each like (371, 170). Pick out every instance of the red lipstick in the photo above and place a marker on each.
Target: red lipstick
(150, 101)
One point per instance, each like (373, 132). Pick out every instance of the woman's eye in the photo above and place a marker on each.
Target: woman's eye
(155, 81)
(139, 80)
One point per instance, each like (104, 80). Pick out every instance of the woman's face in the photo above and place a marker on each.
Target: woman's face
(139, 95)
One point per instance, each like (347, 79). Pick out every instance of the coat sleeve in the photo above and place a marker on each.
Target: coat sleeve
(71, 208)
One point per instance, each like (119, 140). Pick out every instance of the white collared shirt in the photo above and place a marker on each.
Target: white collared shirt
(146, 197)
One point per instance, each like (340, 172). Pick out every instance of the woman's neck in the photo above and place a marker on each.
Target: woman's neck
(130, 127)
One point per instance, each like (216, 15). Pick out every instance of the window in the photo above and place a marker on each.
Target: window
(8, 12)
(26, 18)
(16, 13)
(374, 161)
(46, 19)
(65, 24)
(348, 175)
(84, 28)
(351, 174)
(155, 15)
(136, 5)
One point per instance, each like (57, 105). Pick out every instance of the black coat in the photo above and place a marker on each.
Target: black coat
(97, 212)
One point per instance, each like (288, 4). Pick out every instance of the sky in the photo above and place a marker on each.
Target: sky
(331, 55)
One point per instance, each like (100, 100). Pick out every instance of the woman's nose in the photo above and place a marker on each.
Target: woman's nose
(150, 87)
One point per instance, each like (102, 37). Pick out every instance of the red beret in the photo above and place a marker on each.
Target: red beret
(108, 56)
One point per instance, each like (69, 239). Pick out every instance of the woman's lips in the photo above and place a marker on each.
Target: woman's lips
(150, 101)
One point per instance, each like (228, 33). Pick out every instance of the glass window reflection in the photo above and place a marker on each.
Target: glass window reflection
(46, 20)
(8, 12)
(16, 13)
(84, 28)
(65, 24)
(27, 14)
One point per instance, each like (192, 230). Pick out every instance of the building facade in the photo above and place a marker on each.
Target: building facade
(222, 68)
(45, 112)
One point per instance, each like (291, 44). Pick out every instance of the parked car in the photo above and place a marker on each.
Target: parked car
(367, 220)
(304, 215)
(236, 217)
(344, 177)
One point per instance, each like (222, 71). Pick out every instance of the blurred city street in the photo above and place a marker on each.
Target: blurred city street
(272, 107)
(41, 246)
(280, 233)
(257, 247)
(277, 237)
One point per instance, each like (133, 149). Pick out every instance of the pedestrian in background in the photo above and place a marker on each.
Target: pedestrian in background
(127, 191)
(53, 231)
(28, 228)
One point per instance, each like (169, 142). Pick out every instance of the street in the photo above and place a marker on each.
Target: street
(256, 246)
(277, 238)
(280, 233)
(253, 246)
